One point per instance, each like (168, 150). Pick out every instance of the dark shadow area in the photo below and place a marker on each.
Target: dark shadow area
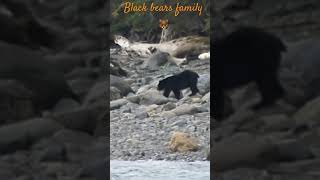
(265, 90)
(54, 117)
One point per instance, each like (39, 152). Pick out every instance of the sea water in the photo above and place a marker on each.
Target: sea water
(159, 170)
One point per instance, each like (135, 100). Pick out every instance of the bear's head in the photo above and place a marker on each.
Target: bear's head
(162, 84)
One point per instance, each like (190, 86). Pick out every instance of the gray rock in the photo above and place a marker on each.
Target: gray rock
(81, 86)
(290, 150)
(49, 150)
(277, 122)
(81, 119)
(116, 104)
(305, 66)
(97, 94)
(67, 136)
(22, 135)
(115, 69)
(65, 105)
(309, 113)
(204, 83)
(193, 46)
(120, 84)
(152, 97)
(156, 60)
(114, 93)
(169, 106)
(142, 115)
(134, 99)
(185, 109)
(206, 97)
(239, 150)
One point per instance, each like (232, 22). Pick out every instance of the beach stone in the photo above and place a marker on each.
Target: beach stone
(120, 84)
(116, 104)
(22, 135)
(65, 105)
(182, 142)
(114, 93)
(241, 149)
(185, 109)
(204, 83)
(309, 113)
(152, 97)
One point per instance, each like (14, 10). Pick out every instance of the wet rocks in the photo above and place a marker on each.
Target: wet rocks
(141, 124)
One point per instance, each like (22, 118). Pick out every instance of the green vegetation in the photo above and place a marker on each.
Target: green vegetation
(145, 24)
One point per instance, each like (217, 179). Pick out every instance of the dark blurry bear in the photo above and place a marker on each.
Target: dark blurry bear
(178, 82)
(246, 55)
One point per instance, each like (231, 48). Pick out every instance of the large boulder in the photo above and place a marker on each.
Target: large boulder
(239, 150)
(156, 60)
(190, 49)
(116, 69)
(22, 135)
(302, 66)
(309, 113)
(152, 97)
(81, 119)
(121, 85)
(204, 83)
(182, 142)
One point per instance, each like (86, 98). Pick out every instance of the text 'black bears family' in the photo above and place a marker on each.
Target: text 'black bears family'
(175, 83)
(246, 55)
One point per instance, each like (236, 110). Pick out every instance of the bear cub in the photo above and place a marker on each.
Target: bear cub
(178, 82)
(246, 55)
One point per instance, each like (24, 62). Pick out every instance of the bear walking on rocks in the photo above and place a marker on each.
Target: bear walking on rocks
(246, 55)
(178, 82)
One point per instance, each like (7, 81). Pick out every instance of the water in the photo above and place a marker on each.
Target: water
(159, 170)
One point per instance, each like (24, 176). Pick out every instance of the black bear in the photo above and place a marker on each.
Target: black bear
(246, 55)
(178, 82)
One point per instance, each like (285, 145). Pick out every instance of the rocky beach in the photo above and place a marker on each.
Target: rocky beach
(278, 142)
(143, 124)
(55, 123)
(53, 98)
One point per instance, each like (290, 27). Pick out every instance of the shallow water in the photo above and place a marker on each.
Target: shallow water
(159, 170)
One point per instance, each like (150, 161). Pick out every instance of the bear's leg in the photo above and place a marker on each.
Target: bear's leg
(177, 93)
(270, 90)
(166, 92)
(193, 87)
